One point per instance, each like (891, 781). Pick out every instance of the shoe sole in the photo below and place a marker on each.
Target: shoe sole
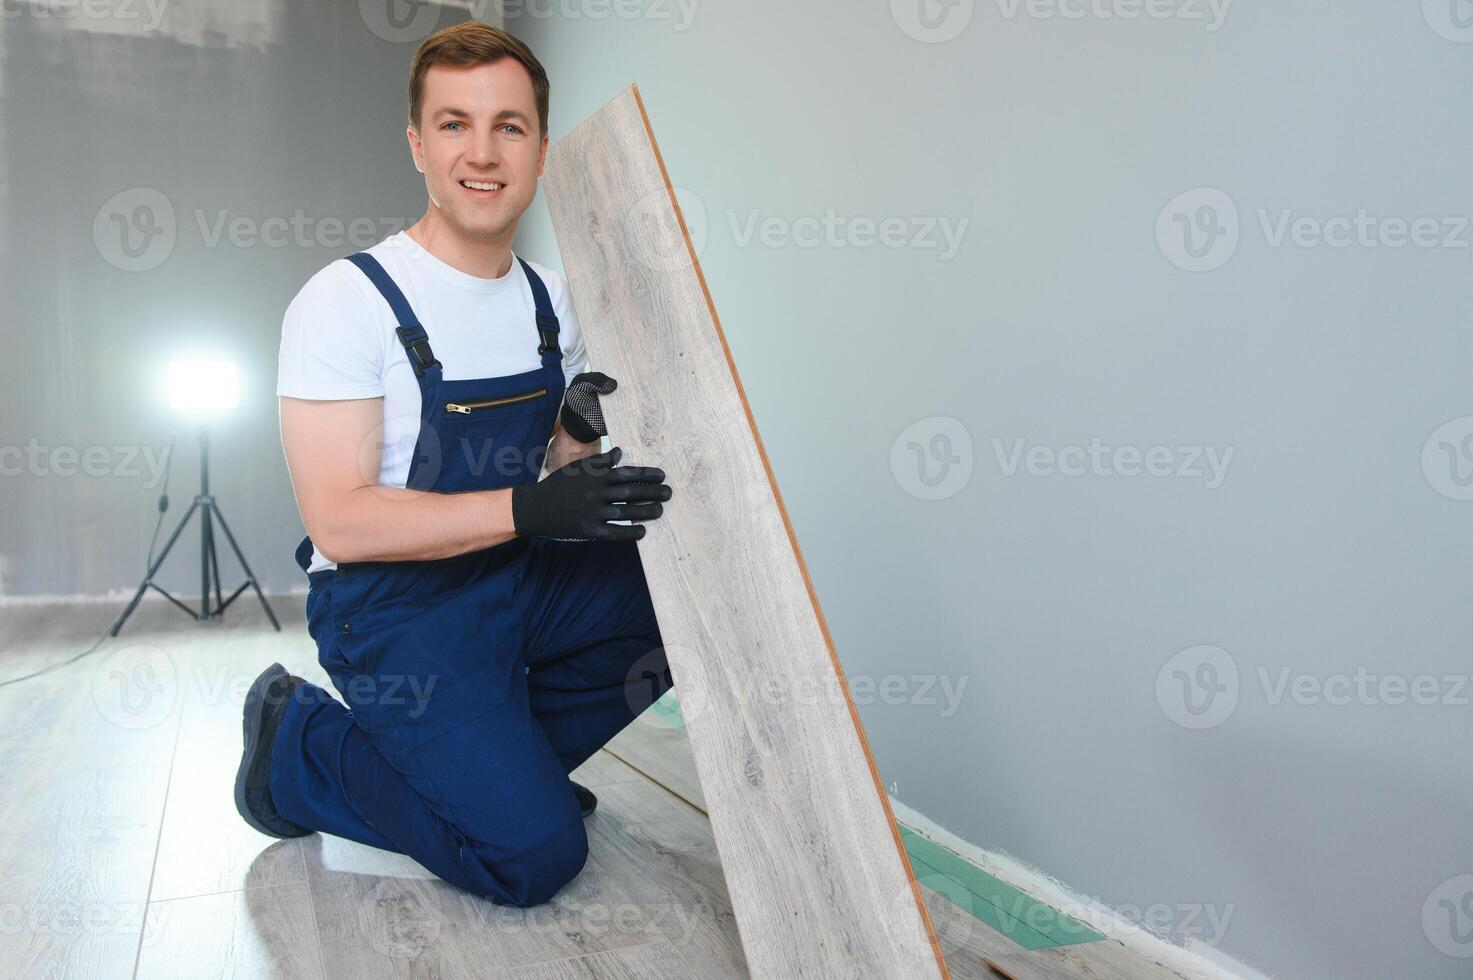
(254, 720)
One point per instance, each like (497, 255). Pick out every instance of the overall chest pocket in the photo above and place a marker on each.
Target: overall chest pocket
(491, 440)
(463, 408)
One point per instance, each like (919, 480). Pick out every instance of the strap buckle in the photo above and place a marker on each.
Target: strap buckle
(547, 331)
(417, 343)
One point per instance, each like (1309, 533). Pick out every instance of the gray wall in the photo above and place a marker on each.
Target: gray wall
(1337, 542)
(1323, 832)
(244, 139)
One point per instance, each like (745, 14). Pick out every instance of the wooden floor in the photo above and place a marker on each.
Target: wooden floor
(121, 853)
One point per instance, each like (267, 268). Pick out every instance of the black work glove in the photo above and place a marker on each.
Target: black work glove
(577, 501)
(581, 415)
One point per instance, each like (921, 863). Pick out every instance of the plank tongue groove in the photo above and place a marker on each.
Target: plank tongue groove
(819, 882)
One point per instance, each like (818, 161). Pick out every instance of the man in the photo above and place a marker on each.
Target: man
(487, 631)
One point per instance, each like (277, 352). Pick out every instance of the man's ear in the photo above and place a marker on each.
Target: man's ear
(542, 155)
(416, 148)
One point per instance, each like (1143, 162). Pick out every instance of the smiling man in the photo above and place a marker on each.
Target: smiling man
(487, 630)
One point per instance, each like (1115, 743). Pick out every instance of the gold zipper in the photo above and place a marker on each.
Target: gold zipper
(468, 407)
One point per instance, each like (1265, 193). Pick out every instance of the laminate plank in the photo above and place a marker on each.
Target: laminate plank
(364, 896)
(664, 852)
(655, 961)
(76, 850)
(817, 876)
(967, 941)
(205, 847)
(662, 753)
(248, 934)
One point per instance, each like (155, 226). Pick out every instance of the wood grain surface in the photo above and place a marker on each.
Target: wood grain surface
(818, 878)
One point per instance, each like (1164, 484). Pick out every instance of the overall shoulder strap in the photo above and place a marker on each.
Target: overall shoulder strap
(416, 342)
(547, 325)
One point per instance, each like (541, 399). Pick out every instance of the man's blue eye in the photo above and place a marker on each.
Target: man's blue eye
(449, 124)
(513, 127)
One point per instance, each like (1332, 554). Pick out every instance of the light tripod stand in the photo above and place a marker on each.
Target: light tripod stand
(209, 563)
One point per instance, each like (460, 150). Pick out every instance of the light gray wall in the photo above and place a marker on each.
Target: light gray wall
(218, 116)
(1323, 832)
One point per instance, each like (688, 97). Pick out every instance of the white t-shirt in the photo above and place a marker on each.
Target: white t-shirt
(338, 340)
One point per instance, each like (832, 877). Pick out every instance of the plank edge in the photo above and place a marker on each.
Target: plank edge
(793, 540)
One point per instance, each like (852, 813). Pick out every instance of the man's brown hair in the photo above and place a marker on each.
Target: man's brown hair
(473, 43)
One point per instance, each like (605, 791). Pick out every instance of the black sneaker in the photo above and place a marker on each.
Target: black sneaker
(265, 704)
(587, 802)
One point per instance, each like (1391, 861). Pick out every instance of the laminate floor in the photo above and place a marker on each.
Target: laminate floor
(121, 853)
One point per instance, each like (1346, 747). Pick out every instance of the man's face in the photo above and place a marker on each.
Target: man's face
(479, 124)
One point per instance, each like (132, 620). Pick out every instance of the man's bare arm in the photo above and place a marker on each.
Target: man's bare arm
(333, 454)
(565, 448)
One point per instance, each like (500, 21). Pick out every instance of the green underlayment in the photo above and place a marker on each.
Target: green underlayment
(1022, 918)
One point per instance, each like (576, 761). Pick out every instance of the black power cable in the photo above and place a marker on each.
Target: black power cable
(163, 506)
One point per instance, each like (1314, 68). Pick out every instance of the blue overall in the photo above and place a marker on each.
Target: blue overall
(471, 685)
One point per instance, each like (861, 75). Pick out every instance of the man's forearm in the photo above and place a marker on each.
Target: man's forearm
(379, 523)
(564, 449)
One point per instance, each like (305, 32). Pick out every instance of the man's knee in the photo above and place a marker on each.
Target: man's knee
(527, 874)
